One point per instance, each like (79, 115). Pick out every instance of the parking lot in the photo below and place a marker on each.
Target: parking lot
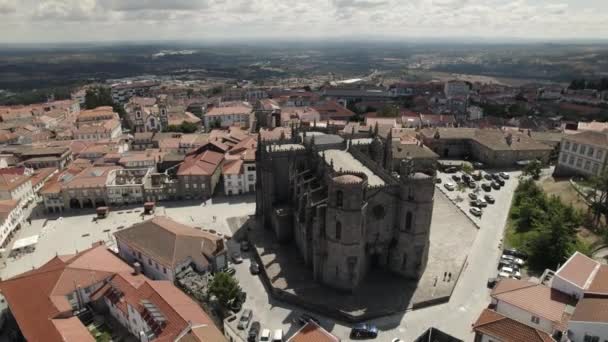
(502, 197)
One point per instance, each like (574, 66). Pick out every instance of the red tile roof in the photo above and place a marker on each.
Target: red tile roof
(578, 270)
(536, 299)
(35, 310)
(594, 309)
(504, 329)
(203, 164)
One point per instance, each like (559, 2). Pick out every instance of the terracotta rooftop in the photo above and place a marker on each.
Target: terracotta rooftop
(504, 329)
(35, 311)
(90, 177)
(229, 110)
(590, 137)
(591, 309)
(536, 299)
(578, 270)
(232, 167)
(10, 182)
(170, 242)
(203, 164)
(599, 284)
(312, 332)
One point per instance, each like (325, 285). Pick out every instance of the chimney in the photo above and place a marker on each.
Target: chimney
(136, 268)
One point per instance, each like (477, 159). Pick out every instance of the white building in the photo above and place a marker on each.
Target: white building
(164, 248)
(456, 88)
(11, 217)
(226, 116)
(475, 113)
(583, 153)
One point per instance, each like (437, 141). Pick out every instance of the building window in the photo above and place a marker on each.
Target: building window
(339, 199)
(574, 147)
(567, 145)
(579, 162)
(564, 158)
(587, 165)
(595, 168)
(590, 151)
(404, 262)
(338, 230)
(535, 320)
(600, 154)
(583, 149)
(408, 221)
(571, 161)
(164, 270)
(589, 338)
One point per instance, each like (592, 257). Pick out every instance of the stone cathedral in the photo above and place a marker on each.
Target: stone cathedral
(341, 204)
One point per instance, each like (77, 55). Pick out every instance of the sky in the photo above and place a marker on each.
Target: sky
(31, 21)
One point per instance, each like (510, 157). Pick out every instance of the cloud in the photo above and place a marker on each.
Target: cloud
(68, 10)
(142, 5)
(8, 6)
(219, 19)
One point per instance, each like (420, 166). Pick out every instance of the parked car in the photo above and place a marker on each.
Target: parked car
(489, 199)
(475, 211)
(451, 169)
(254, 330)
(396, 340)
(364, 331)
(437, 180)
(456, 178)
(472, 185)
(495, 176)
(472, 196)
(487, 176)
(500, 182)
(481, 203)
(507, 257)
(245, 318)
(477, 176)
(507, 269)
(495, 186)
(504, 175)
(504, 275)
(265, 335)
(486, 187)
(516, 274)
(466, 178)
(449, 186)
(245, 246)
(515, 253)
(229, 271)
(236, 258)
(491, 283)
(254, 268)
(305, 318)
(478, 165)
(277, 336)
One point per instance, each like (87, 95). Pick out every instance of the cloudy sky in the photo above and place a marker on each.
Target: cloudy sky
(111, 20)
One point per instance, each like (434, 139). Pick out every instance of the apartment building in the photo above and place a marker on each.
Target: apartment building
(583, 154)
(11, 217)
(200, 173)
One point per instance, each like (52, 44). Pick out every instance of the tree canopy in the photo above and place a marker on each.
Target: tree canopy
(547, 227)
(184, 127)
(225, 288)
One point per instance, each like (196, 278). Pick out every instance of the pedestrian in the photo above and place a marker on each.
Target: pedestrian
(449, 276)
(445, 274)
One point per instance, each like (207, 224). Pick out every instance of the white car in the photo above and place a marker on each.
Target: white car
(450, 186)
(507, 270)
(504, 175)
(516, 275)
(396, 340)
(519, 261)
(476, 211)
(503, 275)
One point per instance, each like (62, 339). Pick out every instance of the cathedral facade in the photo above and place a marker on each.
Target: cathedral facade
(342, 205)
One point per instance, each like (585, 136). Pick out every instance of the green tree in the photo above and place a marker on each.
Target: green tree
(388, 111)
(467, 168)
(599, 199)
(225, 288)
(533, 169)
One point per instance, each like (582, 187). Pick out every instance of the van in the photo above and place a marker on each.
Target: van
(265, 335)
(277, 336)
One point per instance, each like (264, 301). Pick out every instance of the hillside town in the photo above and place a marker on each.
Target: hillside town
(149, 210)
